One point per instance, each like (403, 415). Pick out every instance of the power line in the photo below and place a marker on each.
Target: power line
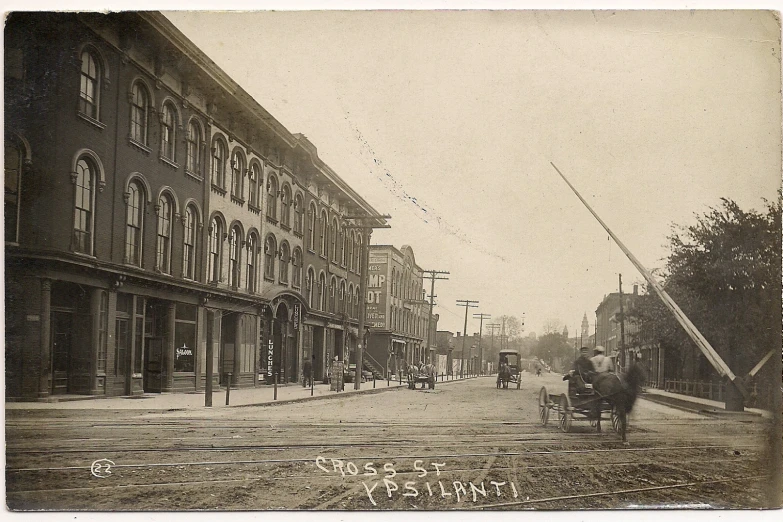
(467, 303)
(433, 276)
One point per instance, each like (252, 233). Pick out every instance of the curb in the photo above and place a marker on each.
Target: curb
(335, 395)
(695, 407)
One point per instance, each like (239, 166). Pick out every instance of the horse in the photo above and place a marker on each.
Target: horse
(504, 375)
(620, 394)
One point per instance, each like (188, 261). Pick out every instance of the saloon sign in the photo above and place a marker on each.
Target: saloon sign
(376, 291)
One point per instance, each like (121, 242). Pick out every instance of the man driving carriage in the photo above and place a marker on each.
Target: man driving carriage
(582, 372)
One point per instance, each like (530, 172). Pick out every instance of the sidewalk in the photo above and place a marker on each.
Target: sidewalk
(261, 396)
(697, 404)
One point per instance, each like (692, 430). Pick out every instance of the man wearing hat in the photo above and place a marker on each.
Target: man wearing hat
(601, 362)
(583, 370)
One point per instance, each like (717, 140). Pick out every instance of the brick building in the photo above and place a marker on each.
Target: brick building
(397, 309)
(148, 194)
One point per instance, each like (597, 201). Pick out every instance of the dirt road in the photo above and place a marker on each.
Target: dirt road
(464, 445)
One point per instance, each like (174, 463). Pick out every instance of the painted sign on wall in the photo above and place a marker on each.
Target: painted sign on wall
(376, 291)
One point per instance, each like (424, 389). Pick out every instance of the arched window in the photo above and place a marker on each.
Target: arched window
(344, 255)
(271, 197)
(285, 259)
(311, 228)
(342, 297)
(296, 262)
(219, 165)
(356, 299)
(215, 249)
(349, 300)
(140, 101)
(252, 266)
(89, 89)
(332, 294)
(134, 223)
(394, 282)
(324, 224)
(234, 259)
(253, 177)
(168, 131)
(189, 243)
(310, 284)
(164, 210)
(270, 252)
(83, 205)
(14, 161)
(195, 144)
(298, 214)
(334, 233)
(351, 242)
(237, 174)
(322, 292)
(359, 254)
(285, 204)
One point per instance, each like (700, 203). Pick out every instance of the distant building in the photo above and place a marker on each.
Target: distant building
(396, 309)
(608, 323)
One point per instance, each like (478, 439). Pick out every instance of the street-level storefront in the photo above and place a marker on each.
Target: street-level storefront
(87, 332)
(281, 335)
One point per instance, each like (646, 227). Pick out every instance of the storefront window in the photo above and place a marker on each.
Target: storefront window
(185, 346)
(185, 338)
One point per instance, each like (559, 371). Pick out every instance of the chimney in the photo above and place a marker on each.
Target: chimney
(458, 334)
(635, 289)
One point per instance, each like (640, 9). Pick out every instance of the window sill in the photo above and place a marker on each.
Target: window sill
(238, 201)
(83, 254)
(254, 209)
(298, 234)
(218, 190)
(285, 227)
(194, 175)
(269, 279)
(92, 121)
(270, 219)
(169, 162)
(143, 148)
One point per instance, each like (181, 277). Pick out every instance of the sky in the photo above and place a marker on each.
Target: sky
(448, 121)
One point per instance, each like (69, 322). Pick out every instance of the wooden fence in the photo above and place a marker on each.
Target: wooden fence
(705, 390)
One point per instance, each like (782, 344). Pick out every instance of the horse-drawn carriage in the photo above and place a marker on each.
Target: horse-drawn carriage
(422, 374)
(607, 394)
(508, 369)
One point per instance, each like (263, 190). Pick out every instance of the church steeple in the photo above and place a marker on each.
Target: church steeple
(585, 328)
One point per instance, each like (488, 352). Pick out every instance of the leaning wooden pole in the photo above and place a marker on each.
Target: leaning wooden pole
(709, 352)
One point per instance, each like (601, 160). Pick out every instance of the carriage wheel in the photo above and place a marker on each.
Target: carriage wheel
(565, 413)
(543, 406)
(616, 421)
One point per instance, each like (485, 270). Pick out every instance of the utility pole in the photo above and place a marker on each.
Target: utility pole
(622, 325)
(467, 303)
(481, 318)
(492, 327)
(433, 276)
(367, 224)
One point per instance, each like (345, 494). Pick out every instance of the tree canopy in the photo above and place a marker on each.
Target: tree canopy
(725, 273)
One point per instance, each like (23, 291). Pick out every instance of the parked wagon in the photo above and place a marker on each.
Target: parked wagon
(508, 369)
(424, 375)
(576, 403)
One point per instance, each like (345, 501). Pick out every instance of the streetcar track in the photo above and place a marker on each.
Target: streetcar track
(318, 477)
(414, 456)
(614, 493)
